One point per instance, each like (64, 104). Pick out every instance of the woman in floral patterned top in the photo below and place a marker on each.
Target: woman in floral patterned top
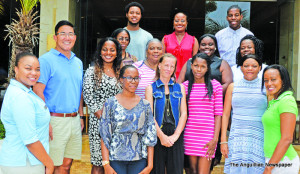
(99, 83)
(127, 129)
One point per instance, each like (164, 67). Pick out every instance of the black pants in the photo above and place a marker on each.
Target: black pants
(170, 158)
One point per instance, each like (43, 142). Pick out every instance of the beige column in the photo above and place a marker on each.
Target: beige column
(289, 48)
(296, 50)
(51, 12)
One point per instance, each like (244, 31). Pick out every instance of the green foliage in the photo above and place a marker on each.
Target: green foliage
(27, 5)
(210, 6)
(2, 131)
(212, 26)
(1, 7)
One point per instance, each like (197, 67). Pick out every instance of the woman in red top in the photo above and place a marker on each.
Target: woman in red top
(182, 45)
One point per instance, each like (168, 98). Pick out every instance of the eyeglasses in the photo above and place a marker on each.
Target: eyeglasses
(123, 38)
(63, 34)
(130, 79)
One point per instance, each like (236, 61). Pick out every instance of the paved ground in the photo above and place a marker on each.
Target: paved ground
(83, 166)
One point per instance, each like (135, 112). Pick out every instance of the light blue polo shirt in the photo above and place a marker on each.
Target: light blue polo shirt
(26, 120)
(63, 80)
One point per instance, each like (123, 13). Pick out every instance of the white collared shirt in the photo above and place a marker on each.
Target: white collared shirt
(228, 42)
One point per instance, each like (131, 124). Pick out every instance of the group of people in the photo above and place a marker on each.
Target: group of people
(155, 106)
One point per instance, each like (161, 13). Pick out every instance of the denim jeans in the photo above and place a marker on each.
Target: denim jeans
(129, 167)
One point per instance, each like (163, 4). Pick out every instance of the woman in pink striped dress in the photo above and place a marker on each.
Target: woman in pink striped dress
(205, 107)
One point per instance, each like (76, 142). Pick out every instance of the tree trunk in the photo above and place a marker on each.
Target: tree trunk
(16, 50)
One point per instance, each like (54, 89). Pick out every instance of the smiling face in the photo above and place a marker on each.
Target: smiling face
(247, 47)
(207, 46)
(273, 82)
(250, 69)
(199, 69)
(154, 51)
(123, 39)
(130, 86)
(167, 67)
(134, 15)
(108, 51)
(180, 22)
(28, 71)
(65, 42)
(234, 18)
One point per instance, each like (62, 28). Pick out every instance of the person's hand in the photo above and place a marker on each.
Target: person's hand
(81, 124)
(267, 170)
(50, 132)
(146, 170)
(98, 113)
(165, 141)
(211, 145)
(224, 150)
(50, 169)
(109, 170)
(173, 138)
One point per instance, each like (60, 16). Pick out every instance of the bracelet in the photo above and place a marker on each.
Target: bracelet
(225, 142)
(105, 163)
(81, 117)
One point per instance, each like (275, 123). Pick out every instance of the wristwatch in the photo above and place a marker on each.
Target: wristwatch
(81, 117)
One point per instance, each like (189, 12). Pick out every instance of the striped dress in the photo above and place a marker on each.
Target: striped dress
(246, 138)
(199, 129)
(147, 77)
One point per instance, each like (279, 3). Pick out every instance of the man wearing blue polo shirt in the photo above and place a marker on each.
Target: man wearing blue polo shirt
(60, 86)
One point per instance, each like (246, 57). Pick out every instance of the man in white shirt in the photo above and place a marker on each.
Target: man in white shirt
(229, 38)
(138, 36)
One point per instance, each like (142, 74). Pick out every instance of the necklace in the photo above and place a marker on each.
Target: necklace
(168, 105)
(149, 65)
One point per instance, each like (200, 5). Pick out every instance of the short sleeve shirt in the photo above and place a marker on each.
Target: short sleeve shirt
(63, 80)
(147, 77)
(127, 133)
(26, 119)
(138, 42)
(285, 103)
(228, 42)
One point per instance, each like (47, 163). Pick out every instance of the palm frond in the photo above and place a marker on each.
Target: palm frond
(27, 5)
(1, 7)
(212, 26)
(22, 34)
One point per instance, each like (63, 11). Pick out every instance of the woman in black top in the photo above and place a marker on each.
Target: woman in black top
(220, 69)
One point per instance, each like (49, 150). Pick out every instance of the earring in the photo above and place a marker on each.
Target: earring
(215, 49)
(185, 28)
(173, 27)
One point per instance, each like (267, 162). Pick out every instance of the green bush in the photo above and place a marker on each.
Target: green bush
(2, 131)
